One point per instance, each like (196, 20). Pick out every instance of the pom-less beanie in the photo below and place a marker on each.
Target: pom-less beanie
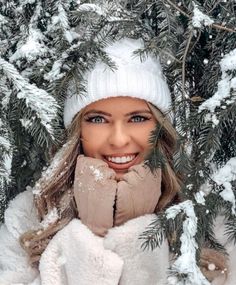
(132, 77)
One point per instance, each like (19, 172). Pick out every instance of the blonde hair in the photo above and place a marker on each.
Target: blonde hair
(55, 191)
(166, 144)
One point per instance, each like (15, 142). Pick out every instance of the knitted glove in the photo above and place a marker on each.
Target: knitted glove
(94, 192)
(137, 193)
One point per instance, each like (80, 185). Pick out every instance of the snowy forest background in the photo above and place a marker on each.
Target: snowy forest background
(45, 44)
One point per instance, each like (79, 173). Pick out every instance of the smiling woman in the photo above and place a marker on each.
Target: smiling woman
(119, 136)
(83, 222)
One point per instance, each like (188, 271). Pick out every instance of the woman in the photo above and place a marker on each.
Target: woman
(83, 223)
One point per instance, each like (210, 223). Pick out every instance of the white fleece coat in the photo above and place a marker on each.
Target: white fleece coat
(75, 256)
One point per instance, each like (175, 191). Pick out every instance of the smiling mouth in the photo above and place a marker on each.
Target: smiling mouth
(121, 162)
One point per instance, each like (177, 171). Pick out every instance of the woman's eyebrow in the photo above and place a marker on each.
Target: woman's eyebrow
(97, 112)
(94, 111)
(138, 112)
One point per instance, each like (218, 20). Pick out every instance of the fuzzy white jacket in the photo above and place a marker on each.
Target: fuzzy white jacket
(75, 256)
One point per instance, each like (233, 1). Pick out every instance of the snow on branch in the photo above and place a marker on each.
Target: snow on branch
(63, 19)
(32, 48)
(225, 85)
(55, 73)
(3, 141)
(91, 8)
(50, 218)
(199, 19)
(223, 177)
(106, 10)
(3, 20)
(228, 62)
(6, 148)
(60, 20)
(6, 151)
(5, 170)
(38, 100)
(185, 264)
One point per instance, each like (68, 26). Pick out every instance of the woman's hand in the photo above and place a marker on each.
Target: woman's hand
(137, 193)
(94, 192)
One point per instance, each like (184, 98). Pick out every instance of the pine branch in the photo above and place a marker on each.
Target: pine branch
(42, 104)
(188, 15)
(154, 235)
(183, 64)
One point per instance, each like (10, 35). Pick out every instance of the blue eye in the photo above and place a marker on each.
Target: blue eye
(138, 119)
(96, 120)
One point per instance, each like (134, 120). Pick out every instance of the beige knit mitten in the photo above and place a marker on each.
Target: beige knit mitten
(94, 192)
(137, 193)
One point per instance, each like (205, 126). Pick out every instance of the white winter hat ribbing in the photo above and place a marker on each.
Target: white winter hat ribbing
(143, 80)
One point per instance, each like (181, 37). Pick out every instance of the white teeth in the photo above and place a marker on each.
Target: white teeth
(122, 159)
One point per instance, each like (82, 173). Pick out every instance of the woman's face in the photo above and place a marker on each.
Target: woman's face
(117, 130)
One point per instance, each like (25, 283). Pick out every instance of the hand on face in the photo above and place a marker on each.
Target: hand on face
(138, 193)
(96, 190)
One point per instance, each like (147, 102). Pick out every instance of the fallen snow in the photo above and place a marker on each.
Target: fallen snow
(37, 99)
(200, 197)
(25, 123)
(199, 19)
(186, 262)
(48, 173)
(91, 8)
(4, 142)
(228, 62)
(225, 85)
(50, 218)
(224, 176)
(55, 72)
(32, 48)
(97, 173)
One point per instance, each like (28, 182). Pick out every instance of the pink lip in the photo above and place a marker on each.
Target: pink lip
(123, 166)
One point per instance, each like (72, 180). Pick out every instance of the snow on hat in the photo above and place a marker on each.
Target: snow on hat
(143, 80)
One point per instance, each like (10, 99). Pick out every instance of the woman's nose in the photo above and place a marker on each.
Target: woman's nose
(119, 136)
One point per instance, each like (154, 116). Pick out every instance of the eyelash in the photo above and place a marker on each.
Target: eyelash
(142, 118)
(93, 118)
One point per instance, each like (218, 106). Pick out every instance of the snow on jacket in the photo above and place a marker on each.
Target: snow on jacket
(75, 256)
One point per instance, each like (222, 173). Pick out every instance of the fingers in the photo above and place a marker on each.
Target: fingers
(142, 171)
(94, 168)
(136, 173)
(94, 192)
(125, 208)
(137, 193)
(130, 178)
(85, 160)
(108, 172)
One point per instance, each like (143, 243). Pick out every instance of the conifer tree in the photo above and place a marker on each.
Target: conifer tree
(47, 46)
(200, 51)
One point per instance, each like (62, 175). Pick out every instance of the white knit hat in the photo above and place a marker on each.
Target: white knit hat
(143, 80)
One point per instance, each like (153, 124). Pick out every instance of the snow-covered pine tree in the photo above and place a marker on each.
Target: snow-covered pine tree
(197, 41)
(31, 112)
(45, 48)
(6, 149)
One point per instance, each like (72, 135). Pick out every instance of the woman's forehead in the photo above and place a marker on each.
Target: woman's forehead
(122, 104)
